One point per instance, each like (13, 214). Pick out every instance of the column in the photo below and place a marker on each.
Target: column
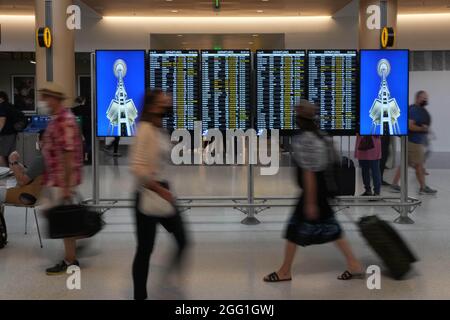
(370, 38)
(56, 64)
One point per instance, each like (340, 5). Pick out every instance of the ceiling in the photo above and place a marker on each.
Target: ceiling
(228, 7)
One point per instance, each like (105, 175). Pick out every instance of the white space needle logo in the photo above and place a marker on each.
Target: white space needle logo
(385, 110)
(122, 112)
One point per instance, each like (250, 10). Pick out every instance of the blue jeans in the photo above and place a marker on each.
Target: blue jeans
(368, 166)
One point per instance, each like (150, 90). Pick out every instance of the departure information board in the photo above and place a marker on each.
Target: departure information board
(226, 89)
(280, 84)
(333, 87)
(176, 73)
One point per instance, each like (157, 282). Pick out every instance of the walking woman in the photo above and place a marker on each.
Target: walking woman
(368, 152)
(313, 220)
(154, 200)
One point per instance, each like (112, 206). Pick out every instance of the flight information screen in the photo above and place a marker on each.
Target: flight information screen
(176, 73)
(226, 89)
(333, 87)
(280, 84)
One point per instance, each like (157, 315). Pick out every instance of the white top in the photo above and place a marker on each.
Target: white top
(150, 153)
(311, 152)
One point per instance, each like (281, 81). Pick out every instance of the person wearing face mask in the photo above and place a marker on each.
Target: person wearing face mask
(150, 155)
(7, 132)
(28, 180)
(63, 156)
(419, 126)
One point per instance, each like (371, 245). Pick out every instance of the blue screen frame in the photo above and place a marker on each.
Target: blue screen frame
(398, 83)
(106, 84)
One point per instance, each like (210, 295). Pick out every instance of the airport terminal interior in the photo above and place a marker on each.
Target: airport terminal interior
(270, 54)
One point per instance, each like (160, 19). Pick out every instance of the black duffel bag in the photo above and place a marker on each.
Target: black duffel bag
(73, 220)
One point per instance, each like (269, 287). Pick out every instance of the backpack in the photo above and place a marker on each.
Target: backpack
(18, 119)
(3, 231)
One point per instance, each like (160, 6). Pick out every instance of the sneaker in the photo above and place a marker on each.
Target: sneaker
(60, 268)
(427, 190)
(366, 194)
(385, 184)
(395, 188)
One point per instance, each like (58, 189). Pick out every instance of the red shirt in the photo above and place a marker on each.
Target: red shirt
(62, 135)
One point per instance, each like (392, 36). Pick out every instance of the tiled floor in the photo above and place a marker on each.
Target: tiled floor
(227, 259)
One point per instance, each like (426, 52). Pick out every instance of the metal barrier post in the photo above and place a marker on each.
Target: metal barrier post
(95, 147)
(404, 211)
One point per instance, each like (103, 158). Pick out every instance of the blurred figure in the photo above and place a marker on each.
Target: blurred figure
(7, 132)
(114, 145)
(62, 150)
(149, 156)
(385, 145)
(82, 110)
(28, 181)
(368, 152)
(313, 220)
(419, 126)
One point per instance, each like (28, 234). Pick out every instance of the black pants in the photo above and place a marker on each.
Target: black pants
(146, 234)
(385, 143)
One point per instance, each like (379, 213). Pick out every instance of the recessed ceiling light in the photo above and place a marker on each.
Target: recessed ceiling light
(251, 42)
(260, 11)
(265, 0)
(255, 35)
(174, 11)
(179, 35)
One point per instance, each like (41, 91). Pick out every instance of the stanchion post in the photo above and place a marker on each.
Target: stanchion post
(404, 211)
(95, 148)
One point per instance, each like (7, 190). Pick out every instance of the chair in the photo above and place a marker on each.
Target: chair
(32, 207)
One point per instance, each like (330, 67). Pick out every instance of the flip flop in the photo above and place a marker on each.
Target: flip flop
(273, 277)
(347, 275)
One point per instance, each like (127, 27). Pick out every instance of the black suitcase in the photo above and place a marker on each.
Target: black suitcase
(387, 243)
(345, 177)
(68, 221)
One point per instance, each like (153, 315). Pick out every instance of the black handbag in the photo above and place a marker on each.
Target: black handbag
(306, 233)
(73, 220)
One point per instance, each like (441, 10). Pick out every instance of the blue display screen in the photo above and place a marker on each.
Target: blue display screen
(120, 82)
(384, 85)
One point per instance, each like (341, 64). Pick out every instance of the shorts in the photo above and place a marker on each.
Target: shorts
(416, 154)
(7, 144)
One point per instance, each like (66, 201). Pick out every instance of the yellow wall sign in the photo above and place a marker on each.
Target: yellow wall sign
(387, 37)
(44, 37)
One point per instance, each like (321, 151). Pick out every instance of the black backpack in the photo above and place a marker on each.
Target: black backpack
(3, 231)
(18, 119)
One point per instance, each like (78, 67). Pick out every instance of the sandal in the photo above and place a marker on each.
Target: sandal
(347, 275)
(273, 277)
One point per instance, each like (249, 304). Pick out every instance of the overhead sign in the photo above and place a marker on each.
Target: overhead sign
(44, 37)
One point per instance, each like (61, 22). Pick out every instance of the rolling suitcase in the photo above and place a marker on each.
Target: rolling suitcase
(346, 177)
(388, 245)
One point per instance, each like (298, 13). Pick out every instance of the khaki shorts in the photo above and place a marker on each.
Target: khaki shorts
(416, 154)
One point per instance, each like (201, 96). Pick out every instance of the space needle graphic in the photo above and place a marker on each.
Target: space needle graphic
(385, 110)
(122, 112)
